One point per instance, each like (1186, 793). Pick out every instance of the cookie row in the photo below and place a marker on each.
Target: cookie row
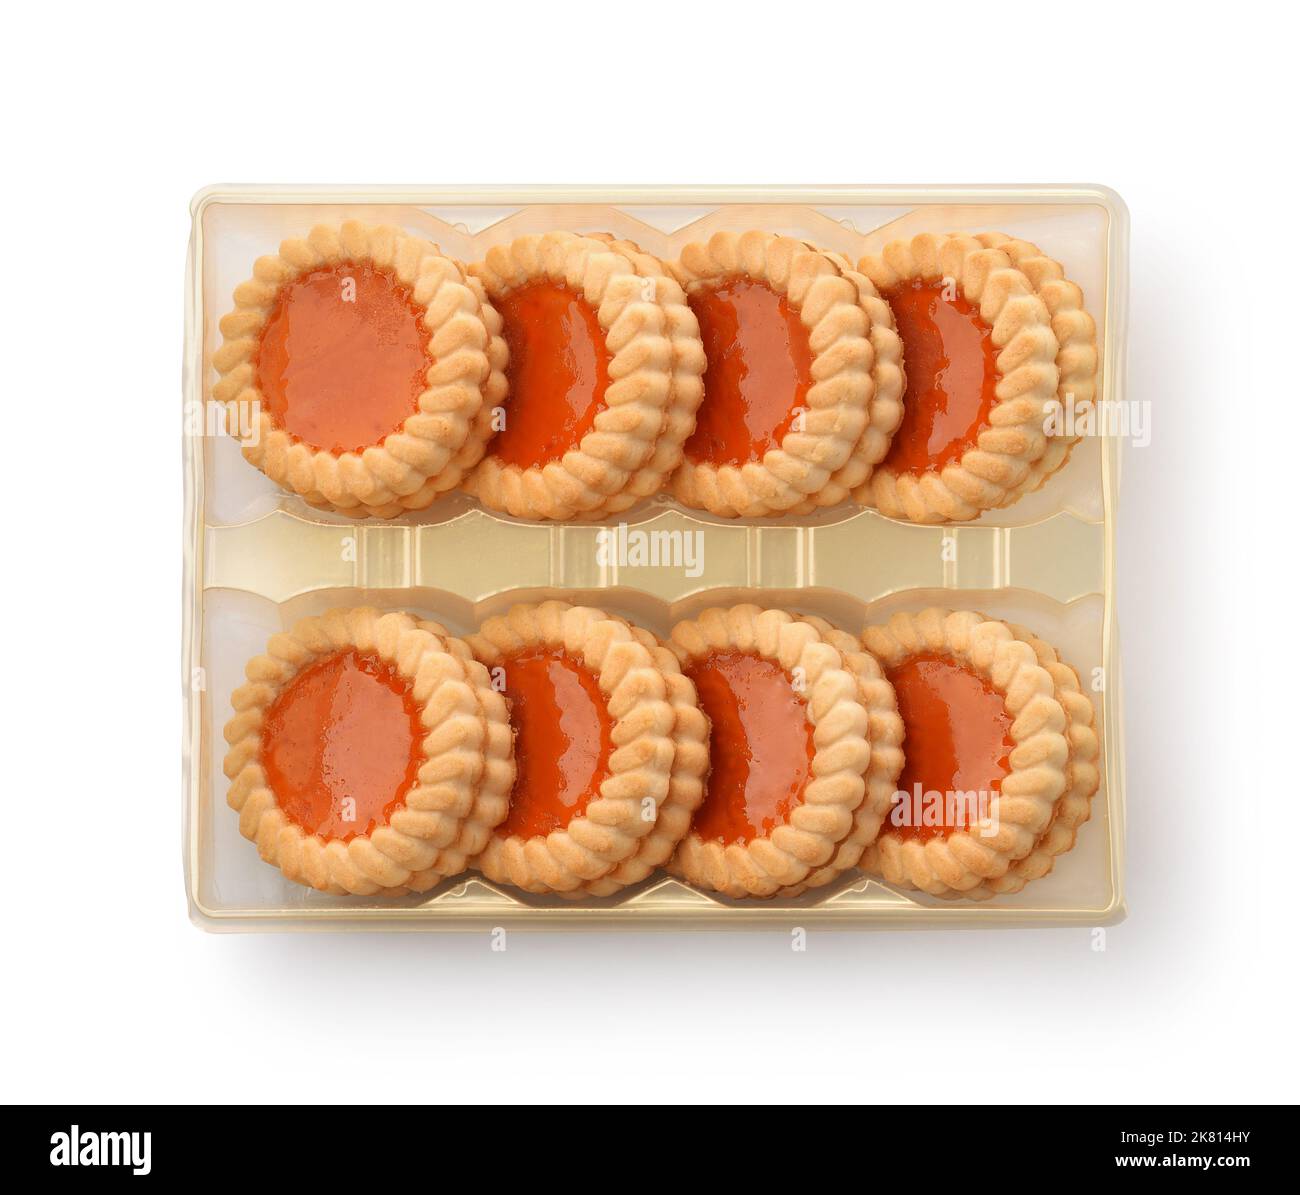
(560, 749)
(570, 376)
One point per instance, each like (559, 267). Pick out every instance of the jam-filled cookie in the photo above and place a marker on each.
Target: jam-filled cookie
(685, 784)
(594, 744)
(498, 747)
(1074, 806)
(687, 376)
(604, 362)
(885, 734)
(788, 747)
(364, 366)
(980, 359)
(985, 748)
(1076, 336)
(359, 755)
(802, 388)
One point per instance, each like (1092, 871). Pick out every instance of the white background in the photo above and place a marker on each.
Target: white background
(115, 115)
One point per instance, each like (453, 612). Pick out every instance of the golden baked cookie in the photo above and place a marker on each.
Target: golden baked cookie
(788, 751)
(498, 748)
(687, 377)
(1074, 806)
(885, 734)
(802, 389)
(604, 361)
(985, 750)
(365, 366)
(594, 734)
(685, 784)
(979, 356)
(1076, 336)
(358, 755)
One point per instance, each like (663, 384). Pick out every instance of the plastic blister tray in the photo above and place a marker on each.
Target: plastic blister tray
(258, 558)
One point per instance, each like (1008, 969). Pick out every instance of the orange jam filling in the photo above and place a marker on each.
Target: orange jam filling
(342, 746)
(343, 358)
(951, 366)
(957, 739)
(558, 371)
(563, 740)
(761, 746)
(758, 376)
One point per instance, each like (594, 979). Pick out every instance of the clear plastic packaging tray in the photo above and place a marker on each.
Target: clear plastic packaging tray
(257, 559)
